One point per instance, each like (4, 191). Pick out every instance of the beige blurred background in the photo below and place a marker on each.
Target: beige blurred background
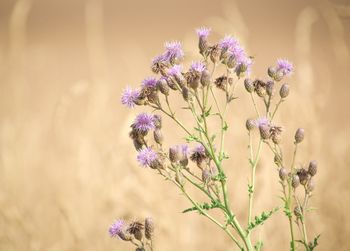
(67, 167)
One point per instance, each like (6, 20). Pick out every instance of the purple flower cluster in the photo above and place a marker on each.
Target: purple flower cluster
(144, 122)
(147, 156)
(116, 228)
(129, 97)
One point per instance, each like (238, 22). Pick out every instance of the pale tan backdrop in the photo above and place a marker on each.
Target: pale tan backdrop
(67, 167)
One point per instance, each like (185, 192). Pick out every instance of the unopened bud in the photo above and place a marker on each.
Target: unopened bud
(158, 136)
(205, 78)
(174, 154)
(149, 228)
(215, 53)
(163, 86)
(271, 71)
(299, 135)
(310, 185)
(313, 168)
(270, 88)
(186, 94)
(248, 84)
(298, 211)
(250, 124)
(283, 173)
(284, 91)
(295, 181)
(264, 131)
(157, 120)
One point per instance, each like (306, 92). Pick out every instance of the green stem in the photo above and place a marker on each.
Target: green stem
(255, 106)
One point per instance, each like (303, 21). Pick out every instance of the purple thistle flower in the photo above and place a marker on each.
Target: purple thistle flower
(184, 150)
(228, 43)
(198, 67)
(173, 50)
(244, 63)
(284, 66)
(158, 59)
(144, 122)
(147, 156)
(116, 228)
(175, 70)
(203, 32)
(261, 121)
(149, 82)
(129, 97)
(199, 149)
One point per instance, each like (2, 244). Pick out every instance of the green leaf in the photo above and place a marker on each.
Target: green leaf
(204, 206)
(260, 220)
(258, 246)
(225, 126)
(191, 138)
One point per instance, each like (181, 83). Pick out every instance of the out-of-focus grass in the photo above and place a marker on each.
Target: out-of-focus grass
(67, 167)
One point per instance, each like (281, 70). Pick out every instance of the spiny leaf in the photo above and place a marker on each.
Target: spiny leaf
(260, 220)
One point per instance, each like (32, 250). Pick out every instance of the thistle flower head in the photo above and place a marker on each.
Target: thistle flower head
(129, 97)
(116, 228)
(198, 154)
(144, 122)
(147, 156)
(228, 43)
(173, 50)
(175, 70)
(284, 66)
(197, 67)
(262, 122)
(149, 82)
(203, 32)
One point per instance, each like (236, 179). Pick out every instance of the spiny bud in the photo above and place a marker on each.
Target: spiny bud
(298, 211)
(153, 97)
(283, 173)
(157, 120)
(163, 86)
(271, 71)
(186, 93)
(295, 181)
(203, 45)
(284, 91)
(264, 131)
(174, 154)
(248, 84)
(215, 53)
(206, 175)
(299, 135)
(276, 138)
(231, 62)
(158, 136)
(310, 185)
(312, 168)
(270, 88)
(303, 176)
(205, 78)
(278, 76)
(250, 124)
(149, 228)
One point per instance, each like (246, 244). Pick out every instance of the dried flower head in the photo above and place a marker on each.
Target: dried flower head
(136, 228)
(147, 156)
(159, 63)
(199, 154)
(129, 97)
(149, 228)
(303, 176)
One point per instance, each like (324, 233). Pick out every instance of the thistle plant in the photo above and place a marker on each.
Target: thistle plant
(206, 89)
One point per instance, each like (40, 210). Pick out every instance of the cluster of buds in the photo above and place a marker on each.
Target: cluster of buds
(266, 129)
(139, 233)
(265, 88)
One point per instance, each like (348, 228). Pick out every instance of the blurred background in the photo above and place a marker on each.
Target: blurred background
(67, 166)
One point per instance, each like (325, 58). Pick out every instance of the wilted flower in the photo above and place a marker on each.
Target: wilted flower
(129, 97)
(144, 122)
(284, 67)
(147, 156)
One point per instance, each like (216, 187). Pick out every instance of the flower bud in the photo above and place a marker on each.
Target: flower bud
(270, 88)
(215, 53)
(283, 173)
(299, 135)
(298, 211)
(231, 62)
(149, 228)
(250, 124)
(284, 91)
(310, 185)
(163, 86)
(158, 136)
(171, 83)
(203, 45)
(295, 181)
(271, 71)
(303, 176)
(186, 94)
(138, 234)
(248, 84)
(261, 91)
(278, 76)
(205, 78)
(312, 168)
(264, 131)
(174, 154)
(157, 120)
